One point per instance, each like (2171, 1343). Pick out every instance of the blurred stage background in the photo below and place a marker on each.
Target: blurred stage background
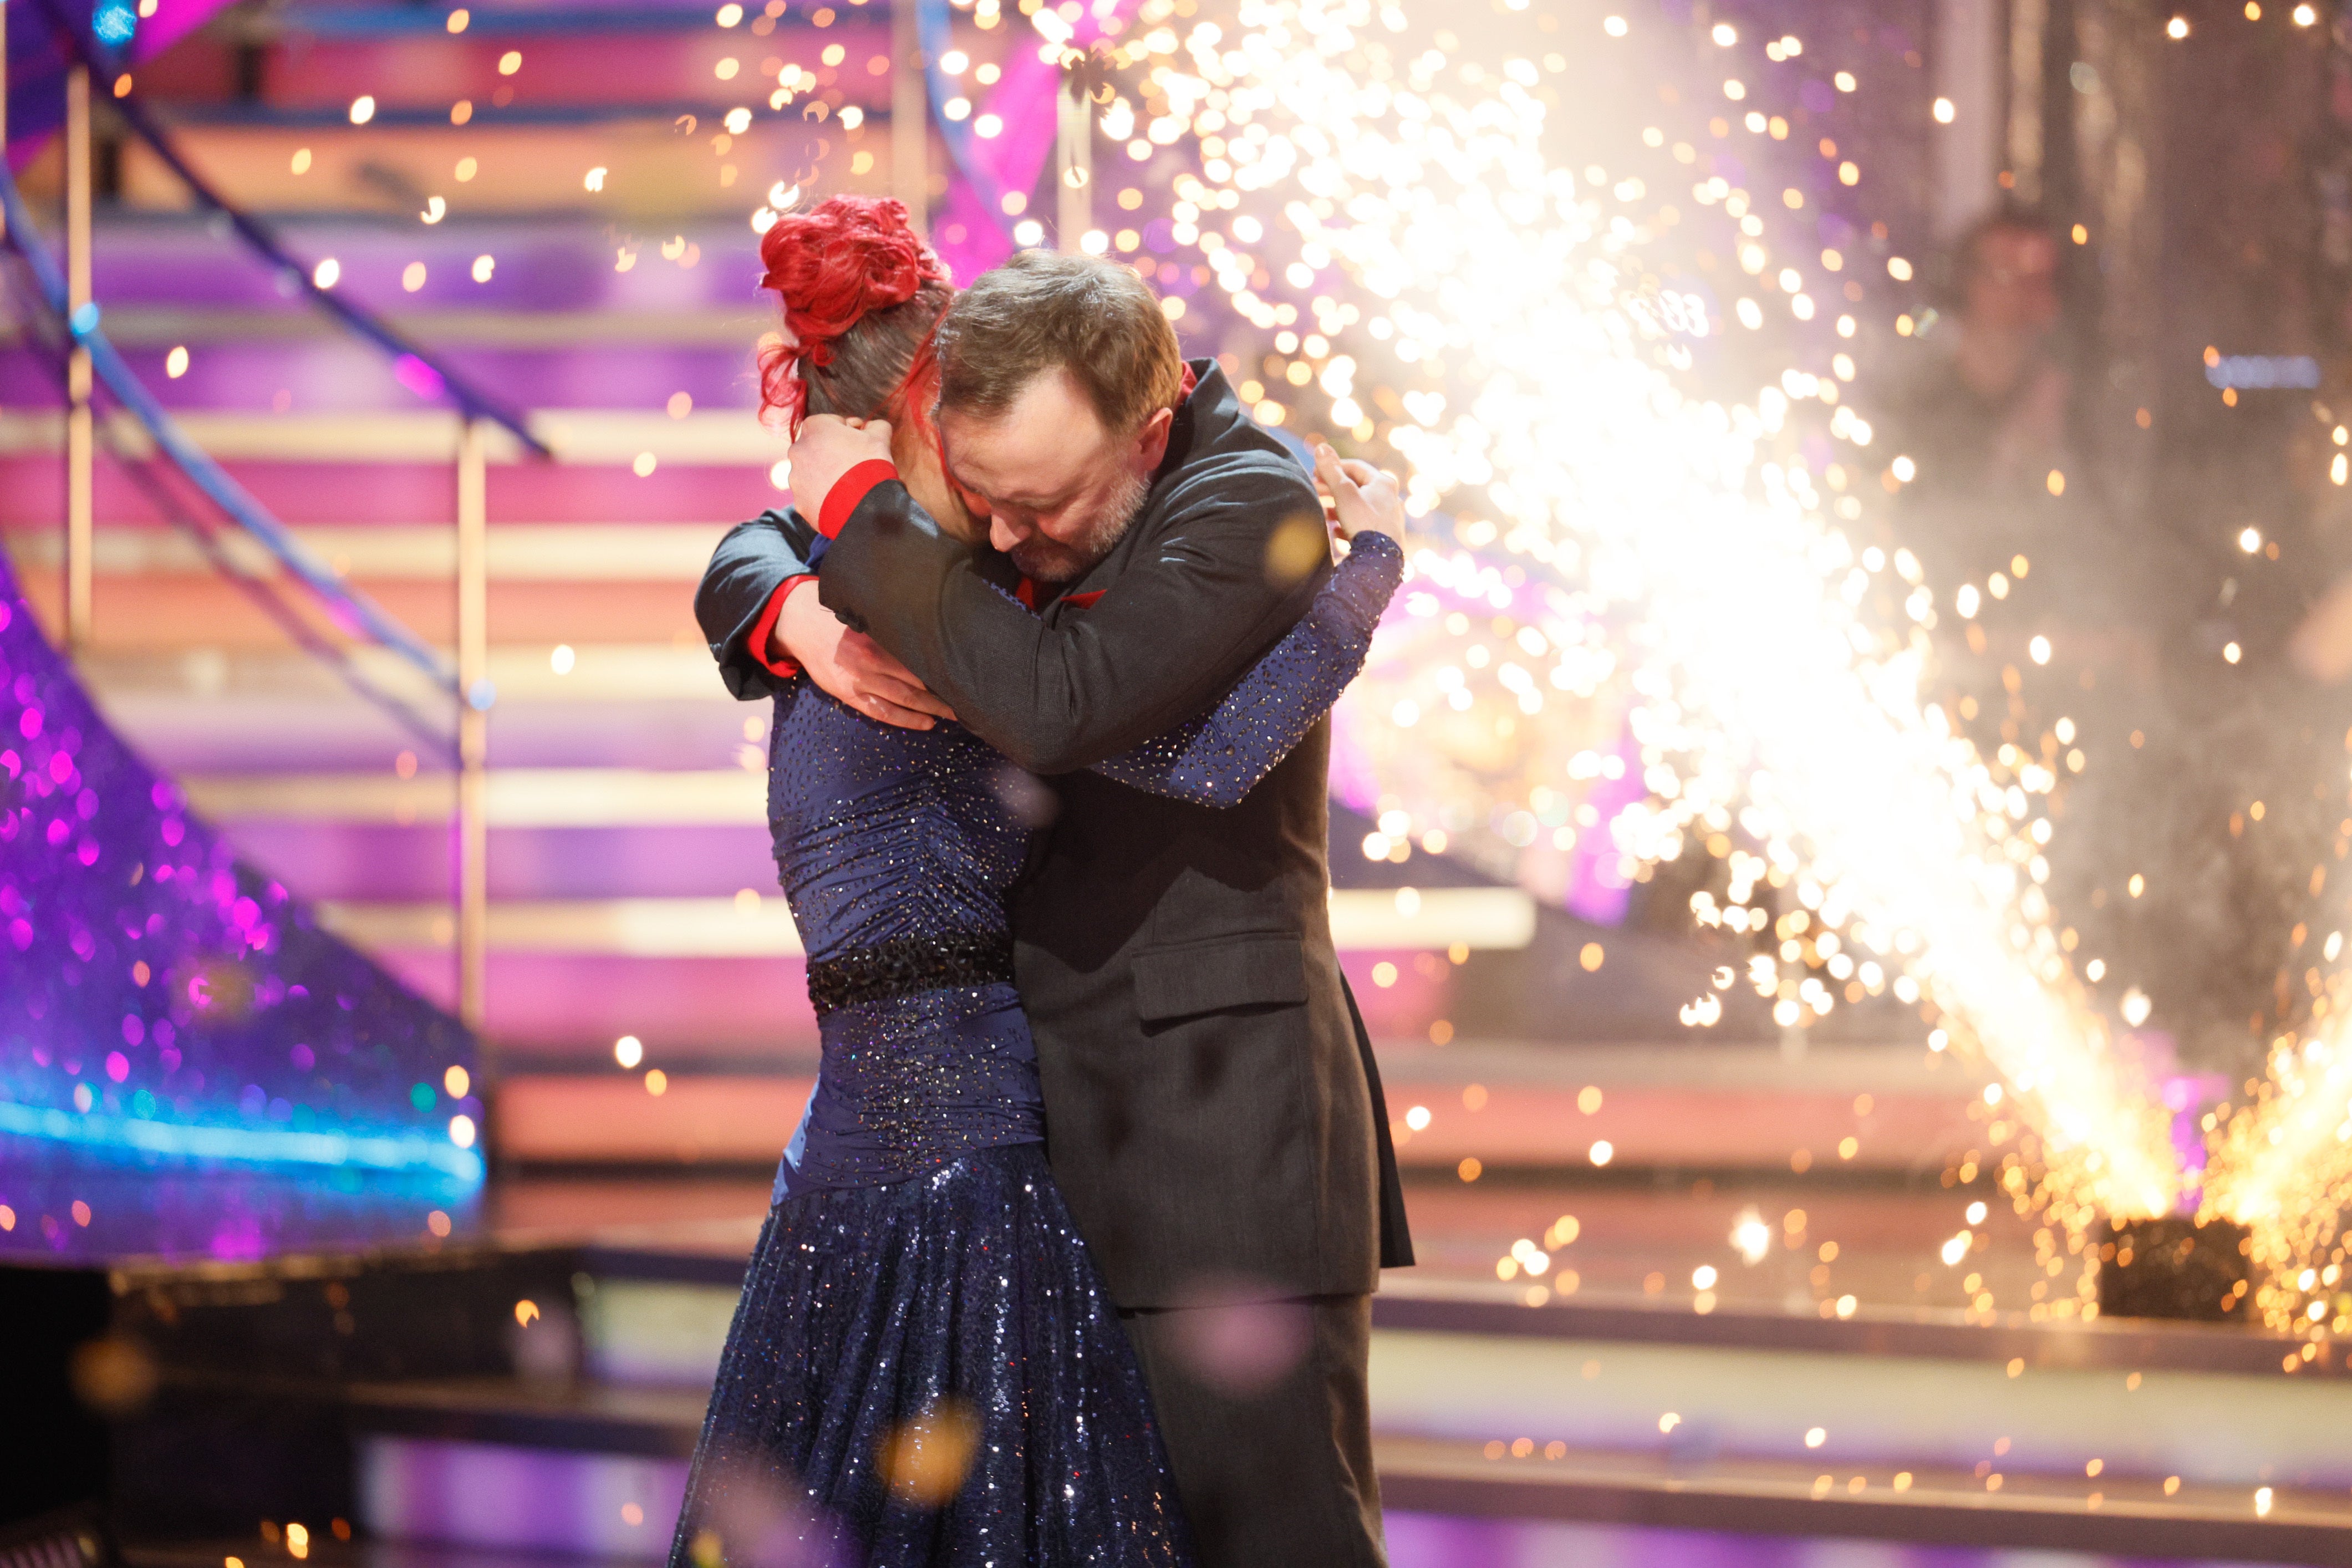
(1719, 1265)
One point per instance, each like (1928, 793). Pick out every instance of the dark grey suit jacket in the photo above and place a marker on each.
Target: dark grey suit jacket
(1212, 1106)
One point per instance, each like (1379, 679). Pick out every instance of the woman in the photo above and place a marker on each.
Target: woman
(924, 1367)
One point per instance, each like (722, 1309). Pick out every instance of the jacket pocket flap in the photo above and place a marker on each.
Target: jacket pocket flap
(1269, 970)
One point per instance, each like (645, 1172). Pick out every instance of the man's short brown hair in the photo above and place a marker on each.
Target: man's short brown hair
(1043, 310)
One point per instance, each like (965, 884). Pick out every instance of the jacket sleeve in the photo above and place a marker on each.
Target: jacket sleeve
(1177, 628)
(754, 560)
(1218, 758)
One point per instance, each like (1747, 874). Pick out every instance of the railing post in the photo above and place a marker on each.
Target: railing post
(474, 697)
(3, 99)
(1074, 167)
(910, 131)
(81, 445)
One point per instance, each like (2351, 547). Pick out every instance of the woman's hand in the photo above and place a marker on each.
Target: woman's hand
(857, 670)
(827, 448)
(1357, 496)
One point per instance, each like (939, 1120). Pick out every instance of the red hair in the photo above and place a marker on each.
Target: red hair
(834, 267)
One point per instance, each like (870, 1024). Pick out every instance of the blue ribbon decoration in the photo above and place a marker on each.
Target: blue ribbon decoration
(931, 20)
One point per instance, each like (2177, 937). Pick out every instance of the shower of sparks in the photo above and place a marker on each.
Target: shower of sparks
(2282, 1168)
(1772, 664)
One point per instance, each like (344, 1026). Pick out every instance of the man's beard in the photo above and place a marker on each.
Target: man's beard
(1043, 560)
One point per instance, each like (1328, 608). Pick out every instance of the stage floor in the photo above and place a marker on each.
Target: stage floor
(1437, 1541)
(1638, 1238)
(1415, 1541)
(1829, 1402)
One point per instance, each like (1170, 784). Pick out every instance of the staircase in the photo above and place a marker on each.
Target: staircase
(623, 817)
(631, 895)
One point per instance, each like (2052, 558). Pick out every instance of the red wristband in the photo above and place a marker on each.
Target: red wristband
(763, 631)
(848, 490)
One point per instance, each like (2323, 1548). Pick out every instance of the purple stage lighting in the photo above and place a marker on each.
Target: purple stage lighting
(187, 1062)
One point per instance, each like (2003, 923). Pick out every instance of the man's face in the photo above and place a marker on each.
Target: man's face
(1057, 489)
(2014, 283)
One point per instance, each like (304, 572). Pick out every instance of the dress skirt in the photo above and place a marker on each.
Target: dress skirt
(928, 1372)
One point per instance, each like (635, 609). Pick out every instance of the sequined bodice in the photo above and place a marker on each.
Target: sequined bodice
(896, 850)
(884, 835)
(895, 853)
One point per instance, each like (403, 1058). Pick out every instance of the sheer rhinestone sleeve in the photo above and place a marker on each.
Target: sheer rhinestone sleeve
(1219, 757)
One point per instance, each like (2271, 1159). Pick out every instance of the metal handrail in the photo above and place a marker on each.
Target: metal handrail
(142, 469)
(352, 610)
(472, 403)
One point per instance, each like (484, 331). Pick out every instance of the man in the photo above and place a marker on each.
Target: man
(2011, 521)
(1213, 1112)
(1982, 410)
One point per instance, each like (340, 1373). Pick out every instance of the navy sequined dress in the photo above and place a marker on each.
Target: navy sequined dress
(924, 1368)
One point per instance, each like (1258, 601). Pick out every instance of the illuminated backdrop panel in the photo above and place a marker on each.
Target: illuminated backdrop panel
(187, 1062)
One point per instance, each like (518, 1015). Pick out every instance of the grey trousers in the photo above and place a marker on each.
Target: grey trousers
(1268, 1428)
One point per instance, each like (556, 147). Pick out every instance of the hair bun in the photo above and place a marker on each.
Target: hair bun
(839, 261)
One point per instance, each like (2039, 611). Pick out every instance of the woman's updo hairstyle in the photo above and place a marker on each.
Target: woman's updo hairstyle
(861, 292)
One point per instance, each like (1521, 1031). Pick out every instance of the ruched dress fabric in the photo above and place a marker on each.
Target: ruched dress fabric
(924, 1368)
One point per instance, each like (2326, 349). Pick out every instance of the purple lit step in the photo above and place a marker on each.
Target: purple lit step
(32, 491)
(571, 1007)
(544, 265)
(256, 733)
(567, 69)
(539, 1499)
(323, 373)
(354, 863)
(634, 862)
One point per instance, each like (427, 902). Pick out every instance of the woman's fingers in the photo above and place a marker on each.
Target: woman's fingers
(1366, 477)
(1332, 469)
(1359, 495)
(1342, 492)
(890, 714)
(910, 695)
(909, 705)
(1344, 475)
(877, 674)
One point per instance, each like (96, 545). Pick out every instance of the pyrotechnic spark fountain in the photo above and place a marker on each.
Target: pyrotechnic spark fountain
(2282, 1168)
(1769, 691)
(2282, 1165)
